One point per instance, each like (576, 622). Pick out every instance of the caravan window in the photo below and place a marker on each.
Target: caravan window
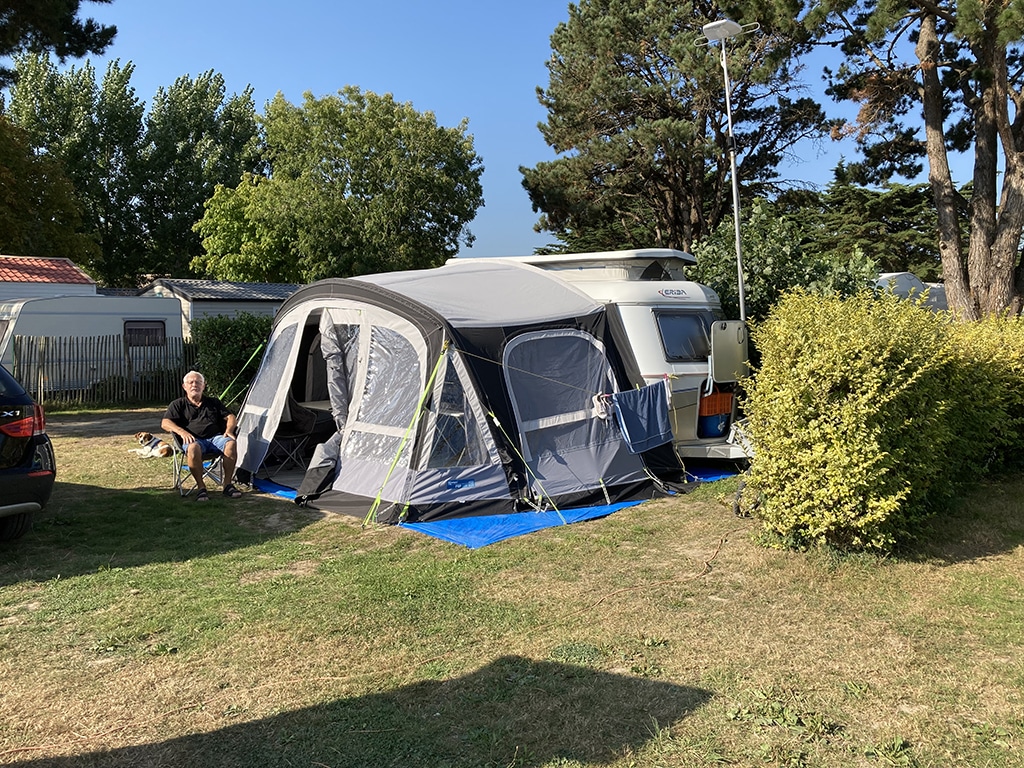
(685, 336)
(144, 333)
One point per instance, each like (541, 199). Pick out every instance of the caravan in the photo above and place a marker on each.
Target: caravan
(480, 387)
(144, 324)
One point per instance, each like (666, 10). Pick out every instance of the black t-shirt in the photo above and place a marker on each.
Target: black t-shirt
(206, 420)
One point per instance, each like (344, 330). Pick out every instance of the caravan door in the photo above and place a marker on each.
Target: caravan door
(552, 377)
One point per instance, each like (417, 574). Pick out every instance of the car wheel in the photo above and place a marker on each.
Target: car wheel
(15, 526)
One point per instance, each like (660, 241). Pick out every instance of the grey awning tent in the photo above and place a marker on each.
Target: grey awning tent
(463, 390)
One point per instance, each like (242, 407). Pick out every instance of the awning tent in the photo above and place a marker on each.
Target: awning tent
(463, 390)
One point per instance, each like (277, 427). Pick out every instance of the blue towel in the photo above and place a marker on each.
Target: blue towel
(643, 417)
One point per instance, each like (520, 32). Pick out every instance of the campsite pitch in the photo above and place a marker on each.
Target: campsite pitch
(140, 629)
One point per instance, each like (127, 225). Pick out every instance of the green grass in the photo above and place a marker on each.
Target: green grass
(140, 629)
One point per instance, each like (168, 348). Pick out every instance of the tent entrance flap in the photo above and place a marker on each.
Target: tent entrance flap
(552, 377)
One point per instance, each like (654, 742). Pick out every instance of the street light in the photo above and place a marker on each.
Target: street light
(721, 31)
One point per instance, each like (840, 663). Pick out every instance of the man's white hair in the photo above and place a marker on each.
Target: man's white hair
(202, 378)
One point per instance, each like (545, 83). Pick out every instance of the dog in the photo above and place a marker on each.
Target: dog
(152, 446)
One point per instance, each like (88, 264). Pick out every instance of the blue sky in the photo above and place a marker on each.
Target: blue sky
(477, 60)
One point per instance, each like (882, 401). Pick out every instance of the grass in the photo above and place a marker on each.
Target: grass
(140, 629)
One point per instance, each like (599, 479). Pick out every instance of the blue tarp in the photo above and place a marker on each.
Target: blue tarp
(476, 532)
(479, 531)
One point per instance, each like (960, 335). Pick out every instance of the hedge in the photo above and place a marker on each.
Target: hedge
(870, 414)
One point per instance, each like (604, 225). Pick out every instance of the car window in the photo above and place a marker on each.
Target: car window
(9, 385)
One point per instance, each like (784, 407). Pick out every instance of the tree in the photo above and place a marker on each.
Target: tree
(895, 226)
(49, 25)
(94, 131)
(934, 78)
(774, 261)
(195, 138)
(636, 110)
(39, 213)
(356, 183)
(141, 178)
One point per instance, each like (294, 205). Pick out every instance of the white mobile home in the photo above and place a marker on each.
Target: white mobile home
(675, 329)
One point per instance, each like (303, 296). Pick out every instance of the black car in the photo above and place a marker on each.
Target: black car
(27, 467)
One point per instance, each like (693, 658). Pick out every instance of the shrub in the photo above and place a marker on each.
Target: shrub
(991, 353)
(226, 351)
(849, 414)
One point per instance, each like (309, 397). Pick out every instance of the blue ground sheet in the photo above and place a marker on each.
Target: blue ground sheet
(476, 532)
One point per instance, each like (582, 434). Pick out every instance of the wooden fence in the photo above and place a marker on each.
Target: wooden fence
(100, 370)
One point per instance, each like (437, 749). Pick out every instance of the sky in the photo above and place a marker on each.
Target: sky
(476, 60)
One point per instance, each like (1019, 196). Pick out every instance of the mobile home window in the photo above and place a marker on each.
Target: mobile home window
(145, 333)
(685, 336)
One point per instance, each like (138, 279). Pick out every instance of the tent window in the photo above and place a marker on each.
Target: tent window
(393, 380)
(275, 362)
(553, 378)
(456, 441)
(373, 446)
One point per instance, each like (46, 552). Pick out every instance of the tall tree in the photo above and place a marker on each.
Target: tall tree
(936, 77)
(49, 25)
(636, 111)
(895, 225)
(357, 183)
(39, 213)
(195, 138)
(94, 130)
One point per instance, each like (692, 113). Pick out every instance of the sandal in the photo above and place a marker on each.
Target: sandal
(202, 495)
(231, 492)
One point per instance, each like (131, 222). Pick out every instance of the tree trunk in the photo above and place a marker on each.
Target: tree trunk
(958, 293)
(989, 278)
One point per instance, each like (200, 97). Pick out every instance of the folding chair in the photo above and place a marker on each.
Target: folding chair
(184, 483)
(293, 432)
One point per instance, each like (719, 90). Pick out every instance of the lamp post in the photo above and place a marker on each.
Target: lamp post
(721, 31)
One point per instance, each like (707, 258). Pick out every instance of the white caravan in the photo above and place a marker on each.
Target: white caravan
(676, 331)
(142, 322)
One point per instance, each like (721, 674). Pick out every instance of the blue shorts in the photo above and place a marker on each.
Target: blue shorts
(215, 444)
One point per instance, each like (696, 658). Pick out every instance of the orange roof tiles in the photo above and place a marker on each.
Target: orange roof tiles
(28, 269)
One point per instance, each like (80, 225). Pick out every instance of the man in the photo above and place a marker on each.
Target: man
(203, 425)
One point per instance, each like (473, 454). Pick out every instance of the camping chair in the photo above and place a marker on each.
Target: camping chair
(293, 432)
(183, 480)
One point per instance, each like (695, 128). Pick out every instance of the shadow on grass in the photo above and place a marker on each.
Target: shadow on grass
(987, 523)
(512, 712)
(85, 528)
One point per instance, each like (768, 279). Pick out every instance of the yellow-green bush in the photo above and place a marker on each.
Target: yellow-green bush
(868, 414)
(991, 352)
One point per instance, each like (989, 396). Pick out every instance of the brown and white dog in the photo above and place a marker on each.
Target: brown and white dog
(152, 446)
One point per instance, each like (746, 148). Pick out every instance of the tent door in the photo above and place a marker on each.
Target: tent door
(552, 378)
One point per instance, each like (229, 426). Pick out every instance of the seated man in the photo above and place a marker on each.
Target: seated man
(203, 425)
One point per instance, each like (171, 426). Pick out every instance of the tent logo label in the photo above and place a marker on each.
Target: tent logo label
(673, 293)
(458, 485)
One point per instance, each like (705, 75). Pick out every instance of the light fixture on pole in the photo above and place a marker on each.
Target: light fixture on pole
(721, 31)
